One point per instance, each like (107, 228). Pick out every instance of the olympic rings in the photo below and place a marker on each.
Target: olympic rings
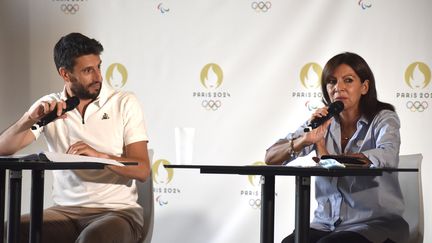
(69, 8)
(417, 106)
(255, 203)
(211, 104)
(261, 6)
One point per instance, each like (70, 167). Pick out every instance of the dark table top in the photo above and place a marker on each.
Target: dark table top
(38, 165)
(290, 170)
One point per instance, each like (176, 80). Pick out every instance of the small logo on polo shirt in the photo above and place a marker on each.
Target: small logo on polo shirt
(105, 116)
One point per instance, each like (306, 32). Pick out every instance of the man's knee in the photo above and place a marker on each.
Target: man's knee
(94, 235)
(110, 229)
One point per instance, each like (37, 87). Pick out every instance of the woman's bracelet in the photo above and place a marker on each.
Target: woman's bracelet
(291, 150)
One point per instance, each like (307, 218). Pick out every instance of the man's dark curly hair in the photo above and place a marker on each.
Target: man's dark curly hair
(72, 46)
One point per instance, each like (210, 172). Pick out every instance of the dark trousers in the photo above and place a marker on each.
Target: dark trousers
(317, 236)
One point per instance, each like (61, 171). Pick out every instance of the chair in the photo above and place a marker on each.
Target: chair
(411, 186)
(146, 199)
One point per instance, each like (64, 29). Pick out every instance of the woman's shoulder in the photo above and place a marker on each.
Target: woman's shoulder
(386, 113)
(386, 116)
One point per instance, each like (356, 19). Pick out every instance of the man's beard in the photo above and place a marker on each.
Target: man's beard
(82, 92)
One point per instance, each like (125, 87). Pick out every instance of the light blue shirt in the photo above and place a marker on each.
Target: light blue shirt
(371, 206)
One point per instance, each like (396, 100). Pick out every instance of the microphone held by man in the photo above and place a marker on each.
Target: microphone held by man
(71, 104)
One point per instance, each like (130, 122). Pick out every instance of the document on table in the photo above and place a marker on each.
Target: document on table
(58, 157)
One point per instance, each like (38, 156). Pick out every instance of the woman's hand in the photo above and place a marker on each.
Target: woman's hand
(317, 135)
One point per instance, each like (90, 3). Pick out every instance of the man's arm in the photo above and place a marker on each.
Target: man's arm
(134, 152)
(19, 134)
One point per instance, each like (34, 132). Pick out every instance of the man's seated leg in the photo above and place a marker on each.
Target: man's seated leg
(110, 227)
(57, 227)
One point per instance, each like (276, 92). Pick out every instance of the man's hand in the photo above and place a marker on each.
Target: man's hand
(41, 110)
(81, 148)
(19, 134)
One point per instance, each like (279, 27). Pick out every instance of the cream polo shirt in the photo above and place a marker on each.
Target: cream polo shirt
(114, 120)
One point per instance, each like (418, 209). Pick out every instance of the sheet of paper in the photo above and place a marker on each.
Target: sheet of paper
(59, 157)
(305, 161)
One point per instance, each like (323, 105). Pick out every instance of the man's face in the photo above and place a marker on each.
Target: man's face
(85, 81)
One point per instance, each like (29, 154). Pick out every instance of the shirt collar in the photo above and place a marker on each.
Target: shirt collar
(362, 120)
(104, 94)
(335, 126)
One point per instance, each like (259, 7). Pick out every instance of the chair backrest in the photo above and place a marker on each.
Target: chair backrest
(411, 186)
(146, 200)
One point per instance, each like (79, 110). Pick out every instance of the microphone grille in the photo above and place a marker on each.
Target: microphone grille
(71, 103)
(336, 107)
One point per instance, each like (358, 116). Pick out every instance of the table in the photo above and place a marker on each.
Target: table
(302, 189)
(37, 168)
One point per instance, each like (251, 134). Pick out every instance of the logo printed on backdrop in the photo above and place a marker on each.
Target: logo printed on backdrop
(162, 9)
(116, 75)
(70, 7)
(417, 79)
(310, 80)
(417, 75)
(364, 4)
(211, 78)
(310, 75)
(162, 177)
(261, 6)
(252, 194)
(312, 105)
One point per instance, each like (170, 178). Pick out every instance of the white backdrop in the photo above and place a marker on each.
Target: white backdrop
(240, 73)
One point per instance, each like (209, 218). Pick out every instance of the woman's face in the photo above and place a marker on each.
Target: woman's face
(345, 85)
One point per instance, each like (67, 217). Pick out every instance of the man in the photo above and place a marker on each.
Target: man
(90, 205)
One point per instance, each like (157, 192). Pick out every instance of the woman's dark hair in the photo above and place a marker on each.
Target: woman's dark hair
(72, 46)
(369, 103)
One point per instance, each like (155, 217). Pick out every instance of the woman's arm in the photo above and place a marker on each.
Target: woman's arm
(385, 132)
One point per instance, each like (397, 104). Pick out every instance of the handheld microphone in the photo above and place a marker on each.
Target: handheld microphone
(333, 109)
(71, 103)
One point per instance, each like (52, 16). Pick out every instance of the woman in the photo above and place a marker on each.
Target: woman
(351, 209)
